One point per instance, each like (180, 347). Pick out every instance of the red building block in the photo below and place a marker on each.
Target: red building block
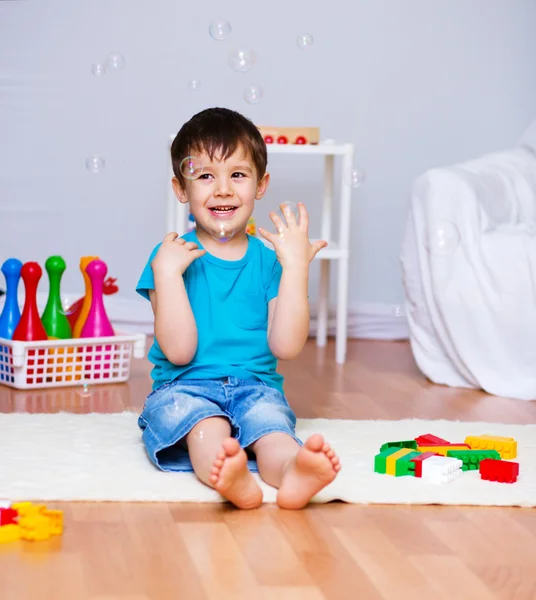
(502, 471)
(430, 440)
(8, 516)
(418, 461)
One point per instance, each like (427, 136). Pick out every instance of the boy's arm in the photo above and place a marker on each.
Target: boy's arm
(288, 315)
(174, 322)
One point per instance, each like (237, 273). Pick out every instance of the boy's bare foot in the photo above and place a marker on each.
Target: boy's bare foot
(314, 466)
(231, 477)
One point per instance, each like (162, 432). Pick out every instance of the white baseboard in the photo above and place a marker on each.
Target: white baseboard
(365, 321)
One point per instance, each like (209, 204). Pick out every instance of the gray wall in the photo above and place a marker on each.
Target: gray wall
(413, 83)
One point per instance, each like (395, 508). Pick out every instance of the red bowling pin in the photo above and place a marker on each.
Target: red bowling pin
(97, 323)
(30, 327)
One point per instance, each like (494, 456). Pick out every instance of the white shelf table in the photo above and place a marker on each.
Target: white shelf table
(339, 250)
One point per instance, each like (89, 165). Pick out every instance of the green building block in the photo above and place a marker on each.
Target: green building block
(381, 458)
(405, 466)
(471, 458)
(403, 444)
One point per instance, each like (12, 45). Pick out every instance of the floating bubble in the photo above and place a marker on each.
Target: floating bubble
(194, 84)
(399, 311)
(242, 59)
(442, 238)
(288, 211)
(253, 94)
(115, 61)
(304, 40)
(223, 233)
(355, 178)
(68, 306)
(95, 164)
(219, 29)
(98, 69)
(191, 167)
(85, 391)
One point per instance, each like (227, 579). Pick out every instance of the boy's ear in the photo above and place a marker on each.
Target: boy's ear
(179, 190)
(262, 186)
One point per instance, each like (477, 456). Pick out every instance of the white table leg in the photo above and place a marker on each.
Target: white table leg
(323, 305)
(342, 312)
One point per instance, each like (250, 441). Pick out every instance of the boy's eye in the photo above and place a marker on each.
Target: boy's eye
(204, 176)
(238, 174)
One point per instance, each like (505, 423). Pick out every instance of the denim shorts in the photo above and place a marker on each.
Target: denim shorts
(252, 408)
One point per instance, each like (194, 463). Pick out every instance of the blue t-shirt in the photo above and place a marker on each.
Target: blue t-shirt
(229, 300)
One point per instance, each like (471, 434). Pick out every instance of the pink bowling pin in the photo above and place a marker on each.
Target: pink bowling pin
(97, 323)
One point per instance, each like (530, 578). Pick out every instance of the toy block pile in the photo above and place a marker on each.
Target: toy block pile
(27, 521)
(439, 461)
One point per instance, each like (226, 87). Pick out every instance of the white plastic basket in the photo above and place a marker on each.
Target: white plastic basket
(58, 363)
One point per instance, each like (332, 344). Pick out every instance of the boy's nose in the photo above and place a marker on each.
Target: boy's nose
(223, 189)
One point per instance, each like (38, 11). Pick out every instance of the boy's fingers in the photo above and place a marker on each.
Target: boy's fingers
(197, 253)
(304, 217)
(267, 235)
(190, 246)
(171, 236)
(318, 245)
(278, 222)
(288, 213)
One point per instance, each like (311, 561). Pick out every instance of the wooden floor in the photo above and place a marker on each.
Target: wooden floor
(336, 551)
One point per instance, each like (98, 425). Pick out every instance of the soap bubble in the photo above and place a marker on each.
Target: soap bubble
(304, 40)
(241, 59)
(194, 84)
(85, 391)
(287, 210)
(115, 61)
(354, 178)
(223, 232)
(98, 69)
(253, 94)
(399, 311)
(95, 164)
(220, 29)
(442, 238)
(191, 167)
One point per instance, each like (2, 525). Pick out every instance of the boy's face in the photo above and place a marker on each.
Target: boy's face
(223, 196)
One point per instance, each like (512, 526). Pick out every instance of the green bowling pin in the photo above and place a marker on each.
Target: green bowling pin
(54, 319)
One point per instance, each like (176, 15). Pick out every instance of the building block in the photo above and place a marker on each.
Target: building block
(405, 465)
(505, 446)
(471, 458)
(9, 533)
(289, 135)
(443, 449)
(431, 440)
(417, 460)
(402, 444)
(380, 460)
(390, 463)
(441, 469)
(501, 471)
(8, 516)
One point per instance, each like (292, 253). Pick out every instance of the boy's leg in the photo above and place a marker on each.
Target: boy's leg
(220, 463)
(298, 472)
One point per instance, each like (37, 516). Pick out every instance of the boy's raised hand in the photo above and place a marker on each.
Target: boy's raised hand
(175, 255)
(291, 242)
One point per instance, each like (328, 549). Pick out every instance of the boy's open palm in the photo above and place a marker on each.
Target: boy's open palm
(175, 255)
(291, 242)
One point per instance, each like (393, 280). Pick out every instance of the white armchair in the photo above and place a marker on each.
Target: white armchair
(469, 271)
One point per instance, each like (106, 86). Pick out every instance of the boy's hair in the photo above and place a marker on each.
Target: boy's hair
(218, 131)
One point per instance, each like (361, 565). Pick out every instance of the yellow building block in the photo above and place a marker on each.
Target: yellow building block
(56, 520)
(441, 449)
(9, 533)
(505, 446)
(390, 463)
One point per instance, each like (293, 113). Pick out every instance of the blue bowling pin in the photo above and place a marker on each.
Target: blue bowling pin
(9, 319)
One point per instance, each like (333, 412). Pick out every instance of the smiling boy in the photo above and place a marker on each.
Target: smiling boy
(226, 308)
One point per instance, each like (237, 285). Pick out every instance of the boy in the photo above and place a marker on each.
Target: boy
(224, 313)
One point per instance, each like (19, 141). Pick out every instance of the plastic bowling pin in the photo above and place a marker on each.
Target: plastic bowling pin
(97, 323)
(30, 327)
(86, 305)
(53, 318)
(10, 317)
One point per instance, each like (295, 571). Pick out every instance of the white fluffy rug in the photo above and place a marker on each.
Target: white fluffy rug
(100, 457)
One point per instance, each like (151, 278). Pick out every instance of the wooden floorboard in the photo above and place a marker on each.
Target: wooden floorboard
(156, 551)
